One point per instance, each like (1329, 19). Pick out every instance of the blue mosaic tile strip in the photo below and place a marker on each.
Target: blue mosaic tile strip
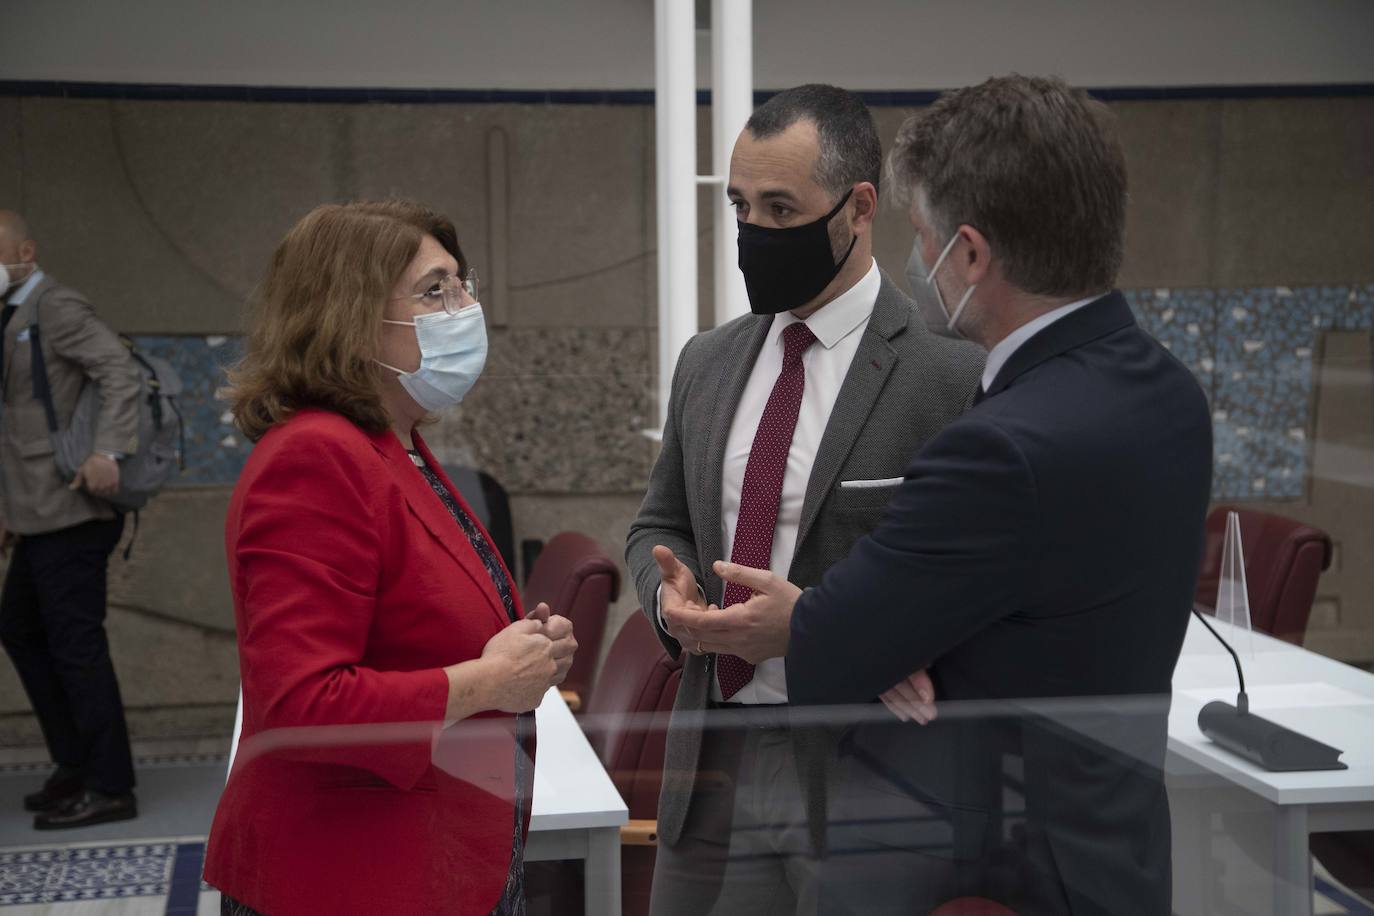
(39, 876)
(1263, 395)
(1251, 349)
(1261, 381)
(215, 450)
(1184, 320)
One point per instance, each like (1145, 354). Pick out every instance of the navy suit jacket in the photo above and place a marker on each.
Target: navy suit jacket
(1044, 545)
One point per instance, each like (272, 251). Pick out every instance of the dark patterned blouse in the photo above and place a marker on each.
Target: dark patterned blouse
(512, 902)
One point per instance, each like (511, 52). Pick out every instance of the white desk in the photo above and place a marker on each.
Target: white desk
(577, 811)
(1309, 693)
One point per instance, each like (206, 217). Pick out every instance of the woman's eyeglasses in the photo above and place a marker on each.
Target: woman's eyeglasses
(452, 293)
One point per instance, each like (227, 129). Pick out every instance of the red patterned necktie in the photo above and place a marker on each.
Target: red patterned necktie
(762, 488)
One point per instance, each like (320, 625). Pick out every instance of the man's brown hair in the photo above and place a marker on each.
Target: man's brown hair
(316, 318)
(1035, 166)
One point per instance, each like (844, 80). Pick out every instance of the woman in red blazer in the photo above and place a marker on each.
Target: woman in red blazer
(389, 672)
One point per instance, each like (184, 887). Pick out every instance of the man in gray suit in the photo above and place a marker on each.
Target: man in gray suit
(787, 431)
(52, 610)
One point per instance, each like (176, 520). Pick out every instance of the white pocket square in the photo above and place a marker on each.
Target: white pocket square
(870, 484)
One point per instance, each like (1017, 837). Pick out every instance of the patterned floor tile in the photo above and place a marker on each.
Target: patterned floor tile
(85, 873)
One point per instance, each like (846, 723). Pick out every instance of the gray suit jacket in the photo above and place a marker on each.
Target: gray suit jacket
(77, 347)
(904, 385)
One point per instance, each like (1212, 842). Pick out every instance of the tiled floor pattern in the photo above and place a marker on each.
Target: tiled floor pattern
(127, 878)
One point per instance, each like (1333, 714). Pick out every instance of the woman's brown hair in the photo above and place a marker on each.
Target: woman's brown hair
(316, 317)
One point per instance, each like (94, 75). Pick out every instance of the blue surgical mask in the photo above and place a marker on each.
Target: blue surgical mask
(927, 292)
(923, 293)
(453, 350)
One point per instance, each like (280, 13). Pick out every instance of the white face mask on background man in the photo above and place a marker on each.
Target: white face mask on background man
(927, 292)
(13, 275)
(453, 352)
(927, 302)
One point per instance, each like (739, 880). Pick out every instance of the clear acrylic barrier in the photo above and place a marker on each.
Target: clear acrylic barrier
(1233, 595)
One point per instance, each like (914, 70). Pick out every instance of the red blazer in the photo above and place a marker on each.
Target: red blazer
(353, 587)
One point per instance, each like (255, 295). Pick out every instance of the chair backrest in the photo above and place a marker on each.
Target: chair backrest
(627, 714)
(578, 580)
(1283, 560)
(500, 526)
(490, 503)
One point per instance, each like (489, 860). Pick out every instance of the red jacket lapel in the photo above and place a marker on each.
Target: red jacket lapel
(425, 505)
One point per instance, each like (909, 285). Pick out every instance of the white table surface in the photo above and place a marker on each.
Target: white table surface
(1309, 693)
(571, 788)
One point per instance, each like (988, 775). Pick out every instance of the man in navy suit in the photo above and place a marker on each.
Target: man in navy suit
(1039, 557)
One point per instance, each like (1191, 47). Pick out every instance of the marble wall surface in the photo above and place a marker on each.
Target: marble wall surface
(1248, 221)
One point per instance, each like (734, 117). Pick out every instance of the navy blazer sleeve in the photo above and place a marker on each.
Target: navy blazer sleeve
(954, 552)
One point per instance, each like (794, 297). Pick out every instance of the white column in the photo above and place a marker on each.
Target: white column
(732, 101)
(676, 132)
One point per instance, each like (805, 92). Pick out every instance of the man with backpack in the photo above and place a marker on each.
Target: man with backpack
(59, 530)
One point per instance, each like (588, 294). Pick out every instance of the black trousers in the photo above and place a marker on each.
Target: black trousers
(52, 624)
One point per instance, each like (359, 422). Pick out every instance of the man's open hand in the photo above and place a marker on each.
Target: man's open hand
(677, 596)
(755, 630)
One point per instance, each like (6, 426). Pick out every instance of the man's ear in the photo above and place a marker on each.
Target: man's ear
(865, 198)
(28, 250)
(973, 259)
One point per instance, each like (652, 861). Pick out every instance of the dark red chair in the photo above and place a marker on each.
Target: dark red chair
(578, 580)
(1283, 560)
(626, 720)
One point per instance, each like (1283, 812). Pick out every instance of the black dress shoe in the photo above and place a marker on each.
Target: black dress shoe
(88, 809)
(61, 787)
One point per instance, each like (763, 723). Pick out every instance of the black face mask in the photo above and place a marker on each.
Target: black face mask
(786, 268)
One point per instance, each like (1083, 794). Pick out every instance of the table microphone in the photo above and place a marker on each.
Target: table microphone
(1264, 743)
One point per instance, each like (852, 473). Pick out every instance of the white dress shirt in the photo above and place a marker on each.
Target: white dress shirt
(838, 326)
(22, 293)
(999, 354)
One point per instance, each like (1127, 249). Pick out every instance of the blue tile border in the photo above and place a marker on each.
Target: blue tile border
(183, 894)
(1354, 906)
(363, 95)
(373, 95)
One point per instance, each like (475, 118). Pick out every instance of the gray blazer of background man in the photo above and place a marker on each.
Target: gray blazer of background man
(783, 443)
